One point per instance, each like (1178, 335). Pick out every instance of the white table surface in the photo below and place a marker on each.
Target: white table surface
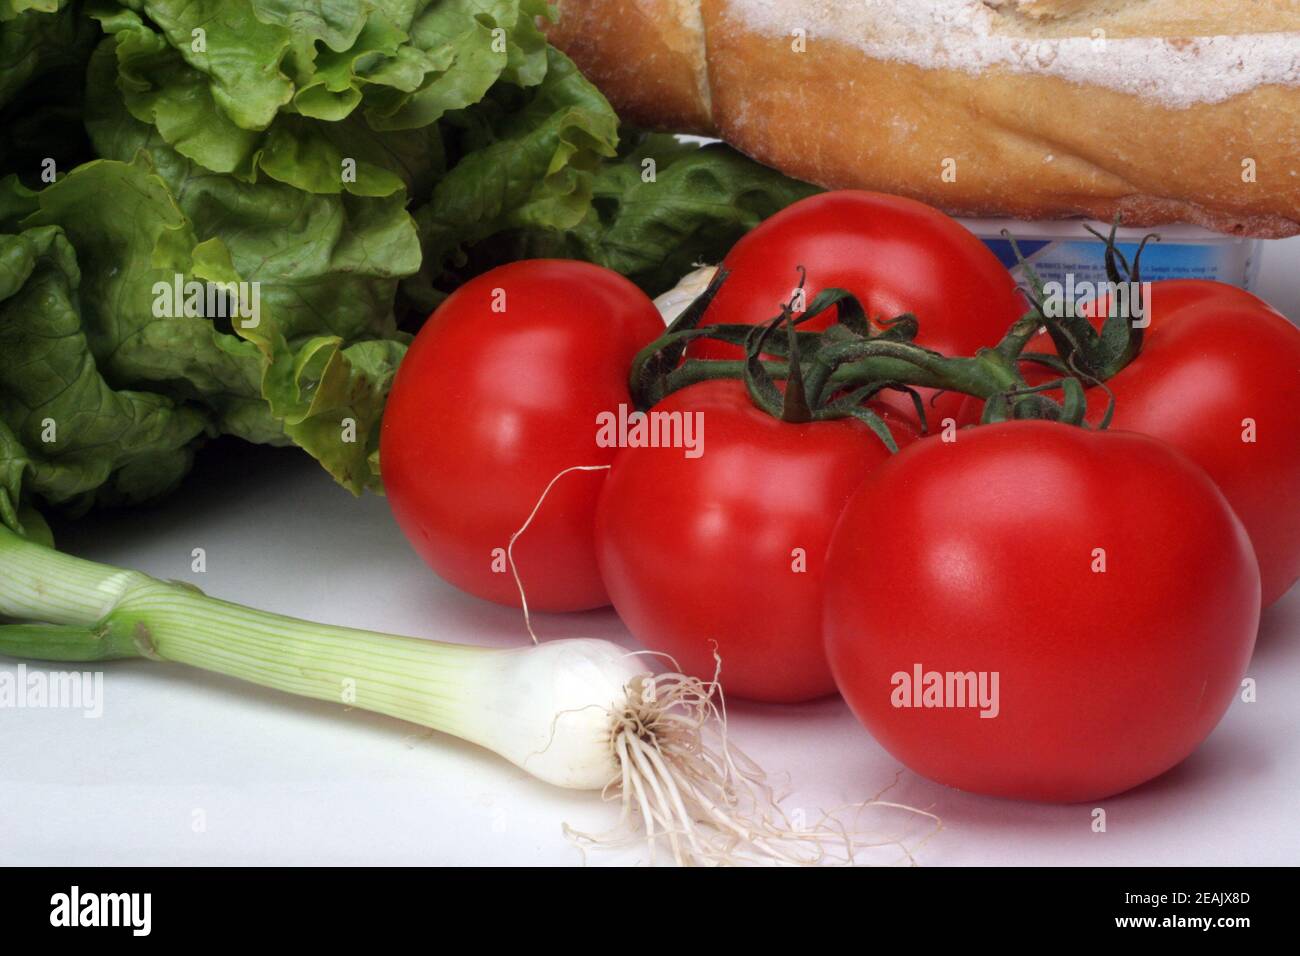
(190, 768)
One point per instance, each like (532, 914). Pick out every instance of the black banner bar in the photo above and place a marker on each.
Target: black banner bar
(339, 907)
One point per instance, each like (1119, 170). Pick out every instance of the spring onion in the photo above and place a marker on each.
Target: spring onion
(584, 714)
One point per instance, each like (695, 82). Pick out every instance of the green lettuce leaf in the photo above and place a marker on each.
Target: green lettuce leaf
(324, 263)
(66, 434)
(42, 77)
(327, 396)
(223, 217)
(662, 208)
(219, 373)
(12, 9)
(240, 112)
(529, 158)
(130, 236)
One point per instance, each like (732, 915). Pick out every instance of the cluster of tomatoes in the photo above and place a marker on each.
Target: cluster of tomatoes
(1106, 583)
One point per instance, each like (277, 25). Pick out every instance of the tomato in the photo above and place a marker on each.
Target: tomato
(1218, 378)
(500, 392)
(895, 255)
(1099, 577)
(728, 547)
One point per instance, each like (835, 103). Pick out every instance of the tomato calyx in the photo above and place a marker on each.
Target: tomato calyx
(834, 373)
(808, 395)
(1082, 350)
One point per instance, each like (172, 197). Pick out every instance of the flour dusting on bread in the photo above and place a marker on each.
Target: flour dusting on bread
(978, 35)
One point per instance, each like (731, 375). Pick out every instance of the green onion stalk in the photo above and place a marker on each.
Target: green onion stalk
(581, 714)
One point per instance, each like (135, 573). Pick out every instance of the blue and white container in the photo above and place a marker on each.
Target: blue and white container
(1064, 249)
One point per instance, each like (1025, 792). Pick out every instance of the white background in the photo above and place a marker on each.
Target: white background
(278, 780)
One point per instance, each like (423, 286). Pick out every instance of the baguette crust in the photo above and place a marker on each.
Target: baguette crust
(646, 56)
(1021, 142)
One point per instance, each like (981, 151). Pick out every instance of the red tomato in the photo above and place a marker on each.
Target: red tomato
(985, 556)
(498, 394)
(895, 255)
(728, 547)
(1214, 360)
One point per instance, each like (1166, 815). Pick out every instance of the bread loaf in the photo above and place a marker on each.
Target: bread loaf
(1158, 110)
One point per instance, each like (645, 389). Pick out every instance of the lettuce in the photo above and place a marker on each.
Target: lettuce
(665, 207)
(65, 432)
(336, 168)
